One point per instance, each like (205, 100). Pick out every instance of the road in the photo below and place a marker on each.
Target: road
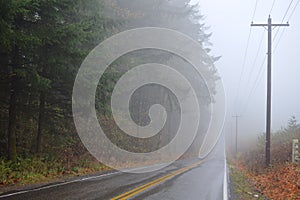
(185, 179)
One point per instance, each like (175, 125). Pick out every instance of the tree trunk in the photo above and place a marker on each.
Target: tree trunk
(11, 132)
(40, 123)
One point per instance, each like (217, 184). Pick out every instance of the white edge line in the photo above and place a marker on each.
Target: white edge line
(74, 181)
(59, 184)
(225, 180)
(225, 189)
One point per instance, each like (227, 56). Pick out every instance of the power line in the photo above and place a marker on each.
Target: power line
(284, 16)
(259, 75)
(254, 12)
(243, 67)
(287, 10)
(245, 55)
(252, 71)
(293, 10)
(282, 33)
(272, 7)
(256, 57)
(255, 85)
(277, 43)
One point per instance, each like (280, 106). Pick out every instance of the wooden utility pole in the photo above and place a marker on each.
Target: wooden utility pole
(236, 132)
(269, 84)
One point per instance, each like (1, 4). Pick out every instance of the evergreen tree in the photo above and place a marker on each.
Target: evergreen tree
(43, 43)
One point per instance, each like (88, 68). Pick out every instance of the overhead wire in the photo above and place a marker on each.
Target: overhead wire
(243, 66)
(245, 55)
(272, 7)
(260, 73)
(254, 12)
(289, 18)
(256, 56)
(293, 11)
(259, 77)
(252, 70)
(277, 43)
(287, 10)
(255, 85)
(283, 18)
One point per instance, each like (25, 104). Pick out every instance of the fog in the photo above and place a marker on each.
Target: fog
(144, 98)
(229, 22)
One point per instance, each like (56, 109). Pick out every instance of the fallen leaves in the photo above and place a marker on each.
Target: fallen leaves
(280, 183)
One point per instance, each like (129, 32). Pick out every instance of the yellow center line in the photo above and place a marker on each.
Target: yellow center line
(155, 182)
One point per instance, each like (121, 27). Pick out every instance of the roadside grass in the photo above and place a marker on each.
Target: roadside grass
(38, 171)
(242, 188)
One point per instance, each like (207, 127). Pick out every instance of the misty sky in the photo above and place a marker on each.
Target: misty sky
(229, 20)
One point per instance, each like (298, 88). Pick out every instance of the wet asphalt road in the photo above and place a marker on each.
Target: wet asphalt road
(203, 182)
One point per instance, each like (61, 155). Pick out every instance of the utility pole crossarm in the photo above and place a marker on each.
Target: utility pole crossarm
(270, 24)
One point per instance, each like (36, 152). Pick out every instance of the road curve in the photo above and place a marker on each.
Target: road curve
(185, 179)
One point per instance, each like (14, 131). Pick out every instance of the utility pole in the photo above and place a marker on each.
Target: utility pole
(236, 132)
(269, 84)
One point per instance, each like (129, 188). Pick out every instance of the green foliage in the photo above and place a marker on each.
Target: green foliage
(5, 170)
(34, 169)
(42, 44)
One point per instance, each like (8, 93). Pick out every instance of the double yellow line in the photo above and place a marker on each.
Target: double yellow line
(151, 184)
